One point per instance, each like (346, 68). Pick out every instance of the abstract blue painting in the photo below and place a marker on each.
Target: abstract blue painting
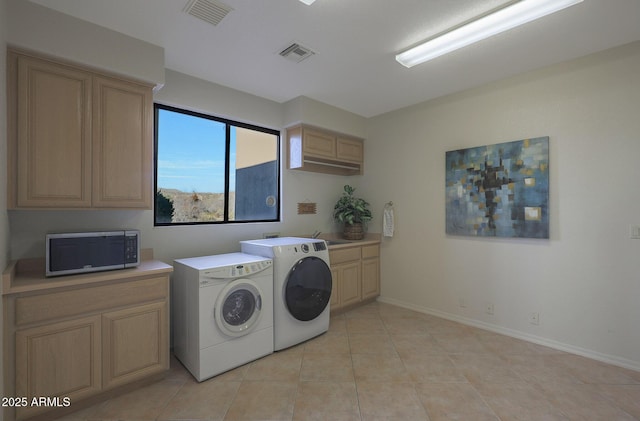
(499, 190)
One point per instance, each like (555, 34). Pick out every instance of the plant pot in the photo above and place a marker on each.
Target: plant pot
(353, 231)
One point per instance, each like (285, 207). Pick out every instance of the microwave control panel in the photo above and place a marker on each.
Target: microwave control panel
(131, 249)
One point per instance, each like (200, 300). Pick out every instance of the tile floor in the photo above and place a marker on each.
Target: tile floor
(381, 362)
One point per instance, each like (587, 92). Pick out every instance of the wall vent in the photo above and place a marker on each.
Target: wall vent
(296, 52)
(209, 11)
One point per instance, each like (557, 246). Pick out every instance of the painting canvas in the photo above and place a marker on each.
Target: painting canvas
(499, 190)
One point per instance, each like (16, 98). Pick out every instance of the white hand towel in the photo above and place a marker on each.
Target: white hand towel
(387, 222)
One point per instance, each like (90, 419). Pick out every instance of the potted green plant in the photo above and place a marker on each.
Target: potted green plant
(353, 212)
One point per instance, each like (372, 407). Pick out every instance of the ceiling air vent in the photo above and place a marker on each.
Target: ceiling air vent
(296, 52)
(209, 11)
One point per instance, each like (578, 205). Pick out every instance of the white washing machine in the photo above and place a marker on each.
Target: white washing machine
(301, 286)
(223, 311)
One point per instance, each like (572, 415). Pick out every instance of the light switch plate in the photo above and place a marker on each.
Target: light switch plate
(634, 232)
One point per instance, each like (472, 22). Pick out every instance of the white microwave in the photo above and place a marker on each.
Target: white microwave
(81, 252)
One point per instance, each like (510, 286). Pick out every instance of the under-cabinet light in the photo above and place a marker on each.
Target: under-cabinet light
(307, 2)
(506, 18)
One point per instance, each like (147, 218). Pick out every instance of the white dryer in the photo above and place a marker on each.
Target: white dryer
(223, 311)
(302, 286)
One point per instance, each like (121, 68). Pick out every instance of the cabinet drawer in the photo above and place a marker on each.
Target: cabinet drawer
(344, 255)
(369, 252)
(51, 306)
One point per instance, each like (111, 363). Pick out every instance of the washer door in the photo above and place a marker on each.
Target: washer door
(238, 307)
(307, 289)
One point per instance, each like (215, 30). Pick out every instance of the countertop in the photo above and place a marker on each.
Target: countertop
(369, 238)
(28, 275)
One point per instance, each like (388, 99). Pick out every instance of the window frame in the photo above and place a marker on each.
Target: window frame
(228, 124)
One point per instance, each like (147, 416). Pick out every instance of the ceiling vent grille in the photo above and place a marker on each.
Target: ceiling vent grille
(296, 52)
(209, 11)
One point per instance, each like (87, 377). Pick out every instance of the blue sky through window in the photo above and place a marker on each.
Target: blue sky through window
(191, 153)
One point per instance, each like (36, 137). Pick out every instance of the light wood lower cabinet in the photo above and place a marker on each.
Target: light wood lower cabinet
(58, 360)
(370, 271)
(349, 282)
(134, 342)
(80, 341)
(335, 291)
(356, 275)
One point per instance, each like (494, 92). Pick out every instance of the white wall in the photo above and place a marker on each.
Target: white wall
(583, 280)
(309, 111)
(36, 27)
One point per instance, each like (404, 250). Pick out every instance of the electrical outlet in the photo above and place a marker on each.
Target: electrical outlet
(489, 309)
(462, 303)
(534, 318)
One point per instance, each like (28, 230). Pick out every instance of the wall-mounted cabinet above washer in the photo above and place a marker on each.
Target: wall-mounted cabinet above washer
(319, 150)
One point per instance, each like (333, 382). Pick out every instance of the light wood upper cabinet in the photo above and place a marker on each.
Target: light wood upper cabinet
(318, 150)
(121, 154)
(350, 150)
(77, 138)
(317, 143)
(53, 149)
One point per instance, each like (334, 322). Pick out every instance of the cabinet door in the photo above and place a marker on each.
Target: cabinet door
(135, 343)
(335, 289)
(53, 135)
(59, 359)
(316, 143)
(370, 278)
(350, 283)
(122, 144)
(351, 150)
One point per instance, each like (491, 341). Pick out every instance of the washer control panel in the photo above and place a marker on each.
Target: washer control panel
(210, 276)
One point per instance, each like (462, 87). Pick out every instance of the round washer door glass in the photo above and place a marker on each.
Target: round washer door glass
(238, 307)
(308, 288)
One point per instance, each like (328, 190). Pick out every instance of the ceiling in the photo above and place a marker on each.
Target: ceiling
(355, 42)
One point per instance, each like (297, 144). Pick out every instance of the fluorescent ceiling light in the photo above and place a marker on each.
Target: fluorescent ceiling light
(307, 2)
(506, 18)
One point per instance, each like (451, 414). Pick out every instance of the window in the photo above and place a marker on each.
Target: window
(212, 170)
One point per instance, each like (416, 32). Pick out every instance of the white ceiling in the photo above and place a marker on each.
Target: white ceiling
(355, 41)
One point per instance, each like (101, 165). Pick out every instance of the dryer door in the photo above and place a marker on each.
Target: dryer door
(238, 307)
(307, 289)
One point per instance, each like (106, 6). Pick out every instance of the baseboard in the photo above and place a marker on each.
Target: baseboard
(560, 346)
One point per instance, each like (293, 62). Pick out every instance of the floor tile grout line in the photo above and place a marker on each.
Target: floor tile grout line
(166, 403)
(353, 371)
